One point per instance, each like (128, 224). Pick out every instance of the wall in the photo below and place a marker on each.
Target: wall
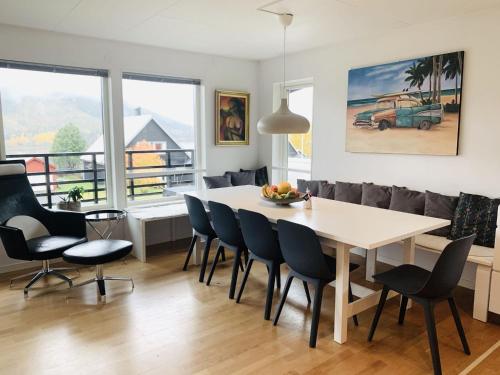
(477, 167)
(215, 73)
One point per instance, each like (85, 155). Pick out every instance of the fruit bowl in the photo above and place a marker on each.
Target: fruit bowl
(281, 194)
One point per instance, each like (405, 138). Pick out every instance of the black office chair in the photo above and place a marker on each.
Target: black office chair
(263, 246)
(17, 199)
(230, 237)
(428, 288)
(202, 228)
(303, 254)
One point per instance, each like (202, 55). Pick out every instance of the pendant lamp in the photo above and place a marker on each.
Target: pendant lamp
(283, 121)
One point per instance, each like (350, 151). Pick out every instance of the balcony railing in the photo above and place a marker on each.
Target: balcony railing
(173, 168)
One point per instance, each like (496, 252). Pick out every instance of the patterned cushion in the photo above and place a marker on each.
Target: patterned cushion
(475, 214)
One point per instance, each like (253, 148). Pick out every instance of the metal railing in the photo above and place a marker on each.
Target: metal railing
(174, 168)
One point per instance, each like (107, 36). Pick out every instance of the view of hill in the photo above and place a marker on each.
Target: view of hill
(31, 123)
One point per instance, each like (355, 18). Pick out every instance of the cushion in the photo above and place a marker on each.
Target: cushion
(442, 207)
(261, 176)
(327, 191)
(475, 214)
(50, 247)
(10, 169)
(214, 182)
(405, 200)
(376, 195)
(312, 185)
(30, 226)
(241, 178)
(98, 252)
(348, 192)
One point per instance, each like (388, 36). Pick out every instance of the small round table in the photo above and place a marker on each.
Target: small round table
(110, 217)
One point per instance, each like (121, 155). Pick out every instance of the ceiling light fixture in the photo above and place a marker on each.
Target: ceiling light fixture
(283, 121)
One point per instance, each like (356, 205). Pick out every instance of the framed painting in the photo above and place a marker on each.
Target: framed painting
(406, 107)
(232, 118)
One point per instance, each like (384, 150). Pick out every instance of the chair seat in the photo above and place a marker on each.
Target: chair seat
(406, 279)
(50, 247)
(98, 252)
(332, 264)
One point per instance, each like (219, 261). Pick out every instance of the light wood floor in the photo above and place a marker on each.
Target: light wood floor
(172, 324)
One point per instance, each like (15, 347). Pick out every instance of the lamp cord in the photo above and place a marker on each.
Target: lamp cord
(284, 62)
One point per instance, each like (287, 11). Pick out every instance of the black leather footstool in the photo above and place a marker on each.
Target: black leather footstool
(96, 253)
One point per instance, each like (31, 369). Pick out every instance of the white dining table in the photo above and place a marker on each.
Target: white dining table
(341, 226)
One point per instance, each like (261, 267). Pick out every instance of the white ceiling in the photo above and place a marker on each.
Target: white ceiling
(230, 27)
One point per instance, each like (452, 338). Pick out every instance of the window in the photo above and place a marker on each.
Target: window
(52, 117)
(160, 133)
(292, 153)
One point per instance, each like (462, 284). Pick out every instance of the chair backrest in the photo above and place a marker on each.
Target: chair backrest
(198, 216)
(302, 251)
(225, 224)
(448, 269)
(258, 234)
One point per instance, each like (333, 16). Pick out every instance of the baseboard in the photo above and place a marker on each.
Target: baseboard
(19, 266)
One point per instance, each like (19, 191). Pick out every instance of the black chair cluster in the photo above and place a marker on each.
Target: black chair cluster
(254, 239)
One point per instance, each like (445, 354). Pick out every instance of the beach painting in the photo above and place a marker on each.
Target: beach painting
(406, 107)
(232, 118)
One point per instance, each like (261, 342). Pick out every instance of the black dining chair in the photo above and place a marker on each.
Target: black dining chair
(230, 237)
(428, 288)
(202, 229)
(303, 254)
(263, 246)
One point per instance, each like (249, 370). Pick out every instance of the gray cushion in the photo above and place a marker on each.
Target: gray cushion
(406, 200)
(442, 207)
(241, 178)
(312, 185)
(348, 192)
(214, 182)
(261, 176)
(376, 195)
(327, 191)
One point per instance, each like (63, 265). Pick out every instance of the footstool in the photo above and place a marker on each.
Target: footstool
(96, 253)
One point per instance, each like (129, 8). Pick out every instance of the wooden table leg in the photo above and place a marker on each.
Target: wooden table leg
(371, 260)
(341, 293)
(409, 256)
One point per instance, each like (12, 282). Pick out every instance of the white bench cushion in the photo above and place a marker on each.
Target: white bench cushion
(477, 254)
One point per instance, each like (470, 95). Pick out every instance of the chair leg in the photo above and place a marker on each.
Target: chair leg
(102, 287)
(214, 264)
(306, 289)
(380, 307)
(37, 277)
(240, 263)
(270, 291)
(402, 309)
(190, 251)
(351, 299)
(318, 297)
(283, 299)
(223, 255)
(278, 276)
(234, 274)
(244, 282)
(204, 260)
(432, 336)
(458, 323)
(62, 277)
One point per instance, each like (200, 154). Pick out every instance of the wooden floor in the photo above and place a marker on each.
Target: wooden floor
(172, 324)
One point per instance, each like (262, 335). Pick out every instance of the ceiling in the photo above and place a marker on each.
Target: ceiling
(230, 27)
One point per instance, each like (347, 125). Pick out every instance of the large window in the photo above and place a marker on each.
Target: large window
(292, 153)
(52, 117)
(160, 133)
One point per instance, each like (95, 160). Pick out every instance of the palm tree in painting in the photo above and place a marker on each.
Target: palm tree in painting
(415, 78)
(453, 69)
(425, 66)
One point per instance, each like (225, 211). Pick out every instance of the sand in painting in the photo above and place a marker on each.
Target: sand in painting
(440, 140)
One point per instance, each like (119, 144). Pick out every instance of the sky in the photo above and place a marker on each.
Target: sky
(174, 101)
(366, 82)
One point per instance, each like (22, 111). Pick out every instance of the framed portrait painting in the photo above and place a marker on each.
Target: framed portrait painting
(232, 118)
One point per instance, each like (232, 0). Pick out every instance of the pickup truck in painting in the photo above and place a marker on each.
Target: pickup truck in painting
(400, 111)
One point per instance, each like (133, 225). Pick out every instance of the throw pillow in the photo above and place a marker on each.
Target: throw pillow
(442, 207)
(327, 191)
(376, 195)
(312, 185)
(214, 182)
(241, 178)
(406, 200)
(261, 176)
(348, 192)
(475, 214)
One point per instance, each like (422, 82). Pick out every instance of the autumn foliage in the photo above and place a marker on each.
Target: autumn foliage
(144, 160)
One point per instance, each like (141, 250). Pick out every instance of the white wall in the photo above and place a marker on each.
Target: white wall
(24, 44)
(475, 170)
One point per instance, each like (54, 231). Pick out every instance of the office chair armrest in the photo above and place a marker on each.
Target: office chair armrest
(67, 223)
(14, 243)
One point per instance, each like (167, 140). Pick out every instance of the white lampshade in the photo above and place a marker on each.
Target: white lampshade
(283, 121)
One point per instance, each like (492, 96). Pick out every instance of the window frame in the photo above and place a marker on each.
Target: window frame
(280, 141)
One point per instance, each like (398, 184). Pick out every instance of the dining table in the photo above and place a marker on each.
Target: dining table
(340, 227)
